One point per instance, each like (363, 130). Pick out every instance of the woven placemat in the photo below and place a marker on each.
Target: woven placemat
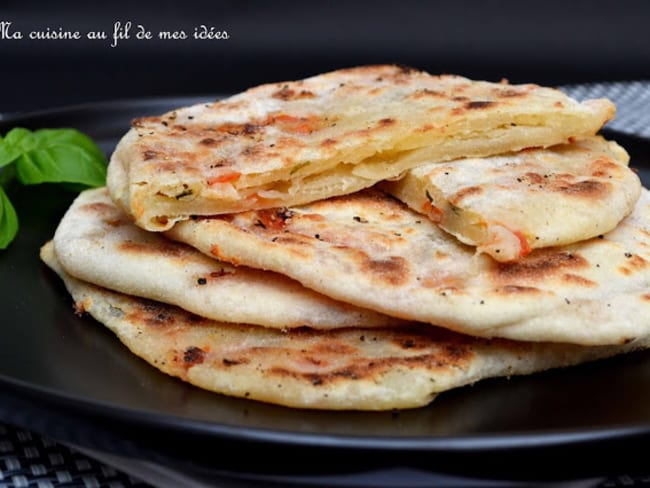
(29, 460)
(632, 101)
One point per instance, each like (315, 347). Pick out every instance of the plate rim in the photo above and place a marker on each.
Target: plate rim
(469, 443)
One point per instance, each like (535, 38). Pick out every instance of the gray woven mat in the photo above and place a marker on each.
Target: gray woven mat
(632, 101)
(28, 460)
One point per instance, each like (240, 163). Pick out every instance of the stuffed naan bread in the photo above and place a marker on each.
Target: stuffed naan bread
(371, 250)
(510, 204)
(97, 243)
(290, 143)
(342, 369)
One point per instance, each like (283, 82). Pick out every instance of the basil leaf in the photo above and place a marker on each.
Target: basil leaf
(8, 154)
(46, 156)
(8, 220)
(11, 146)
(51, 137)
(20, 138)
(61, 155)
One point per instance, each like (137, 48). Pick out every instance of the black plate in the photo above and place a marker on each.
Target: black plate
(68, 377)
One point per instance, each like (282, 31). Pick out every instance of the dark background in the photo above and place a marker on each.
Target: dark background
(546, 41)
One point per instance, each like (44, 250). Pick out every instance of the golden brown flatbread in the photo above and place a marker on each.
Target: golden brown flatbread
(97, 243)
(290, 143)
(508, 205)
(342, 369)
(371, 250)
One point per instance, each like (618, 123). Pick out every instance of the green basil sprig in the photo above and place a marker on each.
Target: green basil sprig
(45, 156)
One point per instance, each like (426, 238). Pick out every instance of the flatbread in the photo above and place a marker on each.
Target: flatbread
(509, 204)
(290, 143)
(351, 369)
(97, 243)
(371, 250)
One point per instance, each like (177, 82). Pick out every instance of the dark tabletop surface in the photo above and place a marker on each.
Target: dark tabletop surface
(550, 42)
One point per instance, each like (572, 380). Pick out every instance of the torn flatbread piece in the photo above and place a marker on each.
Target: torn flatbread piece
(290, 143)
(510, 204)
(342, 369)
(371, 250)
(97, 243)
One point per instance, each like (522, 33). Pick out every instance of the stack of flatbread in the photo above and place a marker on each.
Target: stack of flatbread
(365, 239)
